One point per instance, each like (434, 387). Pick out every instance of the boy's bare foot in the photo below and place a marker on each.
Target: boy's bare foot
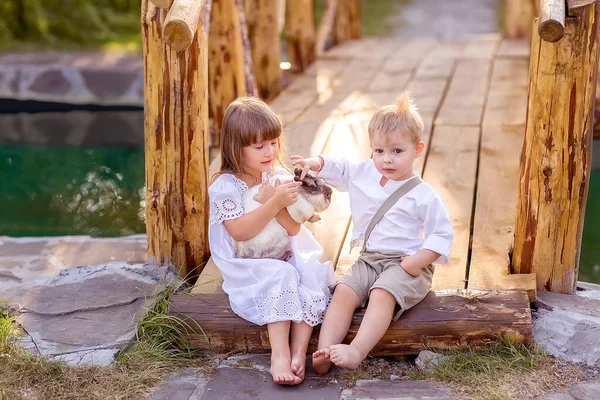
(321, 361)
(282, 371)
(298, 365)
(344, 355)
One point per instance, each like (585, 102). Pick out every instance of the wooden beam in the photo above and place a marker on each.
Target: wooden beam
(443, 320)
(347, 24)
(556, 154)
(300, 33)
(176, 147)
(181, 23)
(551, 25)
(226, 70)
(264, 41)
(518, 18)
(326, 27)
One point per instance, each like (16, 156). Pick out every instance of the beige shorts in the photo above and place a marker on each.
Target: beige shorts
(383, 271)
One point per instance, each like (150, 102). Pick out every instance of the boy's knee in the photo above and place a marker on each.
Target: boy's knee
(346, 292)
(379, 294)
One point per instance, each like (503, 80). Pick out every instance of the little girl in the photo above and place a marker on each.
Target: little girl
(265, 291)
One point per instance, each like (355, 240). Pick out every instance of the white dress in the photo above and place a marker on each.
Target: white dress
(267, 290)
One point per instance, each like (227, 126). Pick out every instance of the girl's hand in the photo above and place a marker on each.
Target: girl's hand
(265, 192)
(286, 194)
(307, 164)
(410, 265)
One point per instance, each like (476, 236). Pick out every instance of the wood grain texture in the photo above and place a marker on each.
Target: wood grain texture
(176, 147)
(443, 320)
(300, 33)
(556, 154)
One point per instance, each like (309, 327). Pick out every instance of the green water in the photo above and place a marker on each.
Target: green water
(70, 190)
(589, 263)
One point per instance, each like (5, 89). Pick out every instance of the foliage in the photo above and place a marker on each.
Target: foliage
(68, 23)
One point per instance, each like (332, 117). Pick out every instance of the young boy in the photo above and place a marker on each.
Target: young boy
(400, 242)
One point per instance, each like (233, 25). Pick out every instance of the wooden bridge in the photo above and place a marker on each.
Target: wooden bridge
(473, 96)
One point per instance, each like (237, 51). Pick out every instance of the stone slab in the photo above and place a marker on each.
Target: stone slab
(585, 391)
(242, 384)
(396, 390)
(188, 384)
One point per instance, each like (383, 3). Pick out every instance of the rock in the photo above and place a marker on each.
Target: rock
(427, 360)
(188, 384)
(404, 389)
(585, 391)
(568, 327)
(86, 315)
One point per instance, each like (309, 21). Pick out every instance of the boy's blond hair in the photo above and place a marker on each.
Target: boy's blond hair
(400, 117)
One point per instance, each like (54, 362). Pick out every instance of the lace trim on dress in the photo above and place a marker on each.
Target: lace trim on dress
(229, 208)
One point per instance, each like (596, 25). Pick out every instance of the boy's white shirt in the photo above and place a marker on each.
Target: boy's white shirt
(419, 220)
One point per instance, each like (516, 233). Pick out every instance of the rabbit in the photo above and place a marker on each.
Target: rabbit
(314, 196)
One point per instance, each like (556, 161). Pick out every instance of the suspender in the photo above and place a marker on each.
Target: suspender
(388, 203)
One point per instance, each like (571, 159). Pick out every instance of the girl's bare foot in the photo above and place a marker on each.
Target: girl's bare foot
(346, 356)
(321, 361)
(298, 365)
(282, 371)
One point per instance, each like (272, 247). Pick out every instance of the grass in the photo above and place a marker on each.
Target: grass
(161, 347)
(504, 370)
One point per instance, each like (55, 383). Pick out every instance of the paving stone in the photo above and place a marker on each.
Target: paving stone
(51, 81)
(12, 248)
(99, 357)
(568, 326)
(188, 384)
(242, 384)
(557, 396)
(585, 391)
(403, 389)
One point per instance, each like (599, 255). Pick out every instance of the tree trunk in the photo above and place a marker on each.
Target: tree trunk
(347, 20)
(556, 154)
(264, 42)
(176, 147)
(443, 320)
(227, 78)
(326, 26)
(300, 33)
(518, 18)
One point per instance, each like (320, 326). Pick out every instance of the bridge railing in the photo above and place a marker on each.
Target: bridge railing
(199, 55)
(556, 154)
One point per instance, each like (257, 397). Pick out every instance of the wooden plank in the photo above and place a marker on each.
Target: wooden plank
(493, 225)
(451, 168)
(443, 320)
(517, 48)
(482, 46)
(466, 96)
(440, 61)
(507, 100)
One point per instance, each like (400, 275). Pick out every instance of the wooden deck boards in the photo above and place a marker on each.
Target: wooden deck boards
(472, 94)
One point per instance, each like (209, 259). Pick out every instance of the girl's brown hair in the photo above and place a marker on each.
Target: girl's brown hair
(402, 117)
(247, 120)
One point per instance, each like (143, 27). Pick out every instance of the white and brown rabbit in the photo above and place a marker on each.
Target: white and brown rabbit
(314, 196)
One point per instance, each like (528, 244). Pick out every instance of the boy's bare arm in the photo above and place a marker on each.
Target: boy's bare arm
(421, 259)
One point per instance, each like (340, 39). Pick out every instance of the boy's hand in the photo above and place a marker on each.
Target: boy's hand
(265, 192)
(411, 265)
(307, 164)
(286, 194)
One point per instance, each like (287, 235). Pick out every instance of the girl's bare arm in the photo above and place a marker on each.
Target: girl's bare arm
(249, 225)
(292, 227)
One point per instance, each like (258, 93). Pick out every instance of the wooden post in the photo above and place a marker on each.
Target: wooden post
(347, 20)
(181, 23)
(226, 74)
(300, 33)
(176, 146)
(518, 17)
(552, 20)
(165, 4)
(556, 154)
(262, 19)
(326, 27)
